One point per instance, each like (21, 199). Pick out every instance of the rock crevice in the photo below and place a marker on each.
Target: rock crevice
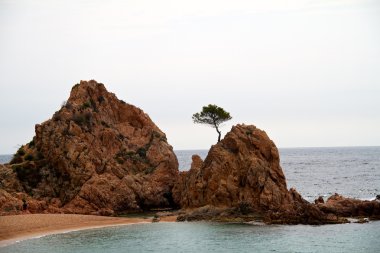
(241, 179)
(81, 157)
(100, 155)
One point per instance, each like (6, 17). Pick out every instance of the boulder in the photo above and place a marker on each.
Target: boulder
(319, 200)
(9, 204)
(349, 207)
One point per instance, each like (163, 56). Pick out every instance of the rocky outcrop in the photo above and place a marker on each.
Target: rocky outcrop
(13, 198)
(97, 155)
(349, 207)
(9, 187)
(100, 155)
(243, 172)
(241, 179)
(243, 167)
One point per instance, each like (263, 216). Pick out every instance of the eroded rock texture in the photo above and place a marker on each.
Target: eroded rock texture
(348, 207)
(242, 175)
(100, 155)
(97, 155)
(243, 167)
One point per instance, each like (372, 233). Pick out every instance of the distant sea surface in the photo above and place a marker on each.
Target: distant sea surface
(5, 159)
(352, 172)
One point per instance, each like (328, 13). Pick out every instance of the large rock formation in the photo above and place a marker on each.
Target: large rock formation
(242, 178)
(243, 172)
(96, 155)
(243, 167)
(99, 155)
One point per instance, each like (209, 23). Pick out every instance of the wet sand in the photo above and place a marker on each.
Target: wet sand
(21, 227)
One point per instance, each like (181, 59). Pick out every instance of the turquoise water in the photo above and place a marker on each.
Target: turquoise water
(353, 172)
(209, 237)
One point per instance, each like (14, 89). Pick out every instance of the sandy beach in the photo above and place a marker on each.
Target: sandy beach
(14, 228)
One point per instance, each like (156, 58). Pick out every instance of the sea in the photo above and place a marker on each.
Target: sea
(350, 171)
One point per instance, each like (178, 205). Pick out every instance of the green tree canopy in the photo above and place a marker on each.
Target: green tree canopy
(212, 115)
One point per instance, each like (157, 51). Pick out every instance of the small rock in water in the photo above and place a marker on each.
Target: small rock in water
(156, 218)
(362, 220)
(319, 200)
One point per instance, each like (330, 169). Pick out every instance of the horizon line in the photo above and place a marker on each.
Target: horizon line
(296, 147)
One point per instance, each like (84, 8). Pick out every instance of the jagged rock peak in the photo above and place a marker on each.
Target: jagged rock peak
(243, 167)
(88, 89)
(241, 180)
(98, 155)
(92, 97)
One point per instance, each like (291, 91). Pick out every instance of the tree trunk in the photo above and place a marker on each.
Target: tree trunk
(219, 134)
(217, 129)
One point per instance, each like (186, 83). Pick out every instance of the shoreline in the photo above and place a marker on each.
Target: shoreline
(16, 228)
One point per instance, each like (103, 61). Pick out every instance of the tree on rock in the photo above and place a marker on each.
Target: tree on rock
(212, 115)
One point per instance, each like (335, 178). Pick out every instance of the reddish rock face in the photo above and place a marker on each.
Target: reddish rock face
(242, 168)
(347, 207)
(242, 172)
(98, 155)
(241, 178)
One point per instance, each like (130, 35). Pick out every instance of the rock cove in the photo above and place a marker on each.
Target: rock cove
(99, 155)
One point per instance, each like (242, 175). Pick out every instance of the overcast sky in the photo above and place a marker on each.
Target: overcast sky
(307, 72)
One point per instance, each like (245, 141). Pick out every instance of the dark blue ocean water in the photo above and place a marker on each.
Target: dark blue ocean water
(353, 172)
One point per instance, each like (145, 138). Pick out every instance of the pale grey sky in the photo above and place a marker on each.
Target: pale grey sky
(307, 72)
